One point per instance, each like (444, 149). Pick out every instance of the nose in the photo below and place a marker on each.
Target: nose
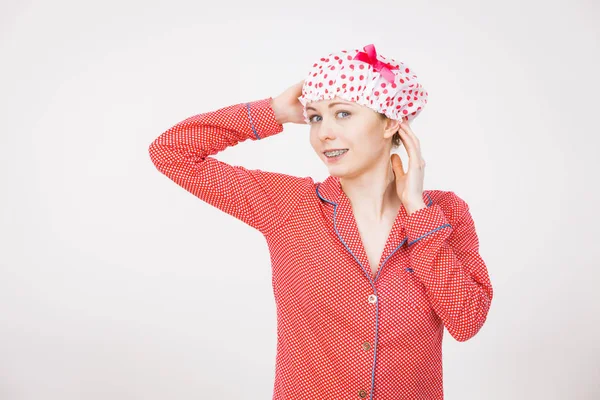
(326, 129)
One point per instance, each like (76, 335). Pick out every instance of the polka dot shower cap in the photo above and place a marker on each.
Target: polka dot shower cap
(367, 78)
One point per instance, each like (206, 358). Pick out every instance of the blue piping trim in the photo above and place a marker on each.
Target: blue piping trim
(370, 281)
(429, 233)
(251, 123)
(338, 234)
(430, 202)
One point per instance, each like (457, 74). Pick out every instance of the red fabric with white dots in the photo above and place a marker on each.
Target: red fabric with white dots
(342, 332)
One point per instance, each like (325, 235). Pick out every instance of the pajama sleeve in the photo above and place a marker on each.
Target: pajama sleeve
(445, 258)
(261, 199)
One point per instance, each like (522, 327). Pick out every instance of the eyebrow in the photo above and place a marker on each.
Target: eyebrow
(330, 105)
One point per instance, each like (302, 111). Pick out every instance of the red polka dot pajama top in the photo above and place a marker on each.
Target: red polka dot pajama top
(342, 332)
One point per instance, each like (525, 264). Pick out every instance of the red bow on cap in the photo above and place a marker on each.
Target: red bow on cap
(370, 57)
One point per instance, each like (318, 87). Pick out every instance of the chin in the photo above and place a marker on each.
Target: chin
(337, 171)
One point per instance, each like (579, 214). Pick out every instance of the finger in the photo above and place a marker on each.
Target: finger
(409, 144)
(418, 156)
(397, 165)
(405, 124)
(412, 135)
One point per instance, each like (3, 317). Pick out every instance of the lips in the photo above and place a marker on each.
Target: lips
(335, 159)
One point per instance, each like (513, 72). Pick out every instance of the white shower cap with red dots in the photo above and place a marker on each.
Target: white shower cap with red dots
(366, 78)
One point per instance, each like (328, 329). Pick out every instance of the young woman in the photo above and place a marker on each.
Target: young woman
(368, 268)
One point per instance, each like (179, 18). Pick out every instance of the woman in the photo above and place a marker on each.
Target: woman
(367, 266)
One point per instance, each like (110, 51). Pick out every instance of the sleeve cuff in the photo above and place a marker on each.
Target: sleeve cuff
(425, 222)
(262, 119)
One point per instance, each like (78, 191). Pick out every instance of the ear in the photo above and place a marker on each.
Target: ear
(391, 126)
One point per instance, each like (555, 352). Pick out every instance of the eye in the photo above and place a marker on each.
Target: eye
(310, 119)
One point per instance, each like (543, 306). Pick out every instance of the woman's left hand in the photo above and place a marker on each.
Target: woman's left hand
(409, 185)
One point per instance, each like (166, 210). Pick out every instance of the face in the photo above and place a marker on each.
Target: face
(341, 124)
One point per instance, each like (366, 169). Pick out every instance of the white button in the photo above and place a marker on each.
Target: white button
(372, 299)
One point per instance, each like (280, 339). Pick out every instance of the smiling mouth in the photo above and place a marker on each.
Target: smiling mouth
(335, 153)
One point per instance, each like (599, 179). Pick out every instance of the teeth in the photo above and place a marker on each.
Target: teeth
(335, 153)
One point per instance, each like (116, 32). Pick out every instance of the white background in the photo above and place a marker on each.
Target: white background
(117, 284)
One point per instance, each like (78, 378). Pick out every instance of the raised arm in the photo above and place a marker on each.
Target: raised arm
(261, 199)
(445, 256)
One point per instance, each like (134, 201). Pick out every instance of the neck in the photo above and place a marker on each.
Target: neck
(373, 193)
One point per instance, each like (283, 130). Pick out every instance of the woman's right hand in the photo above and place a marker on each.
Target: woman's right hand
(287, 107)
